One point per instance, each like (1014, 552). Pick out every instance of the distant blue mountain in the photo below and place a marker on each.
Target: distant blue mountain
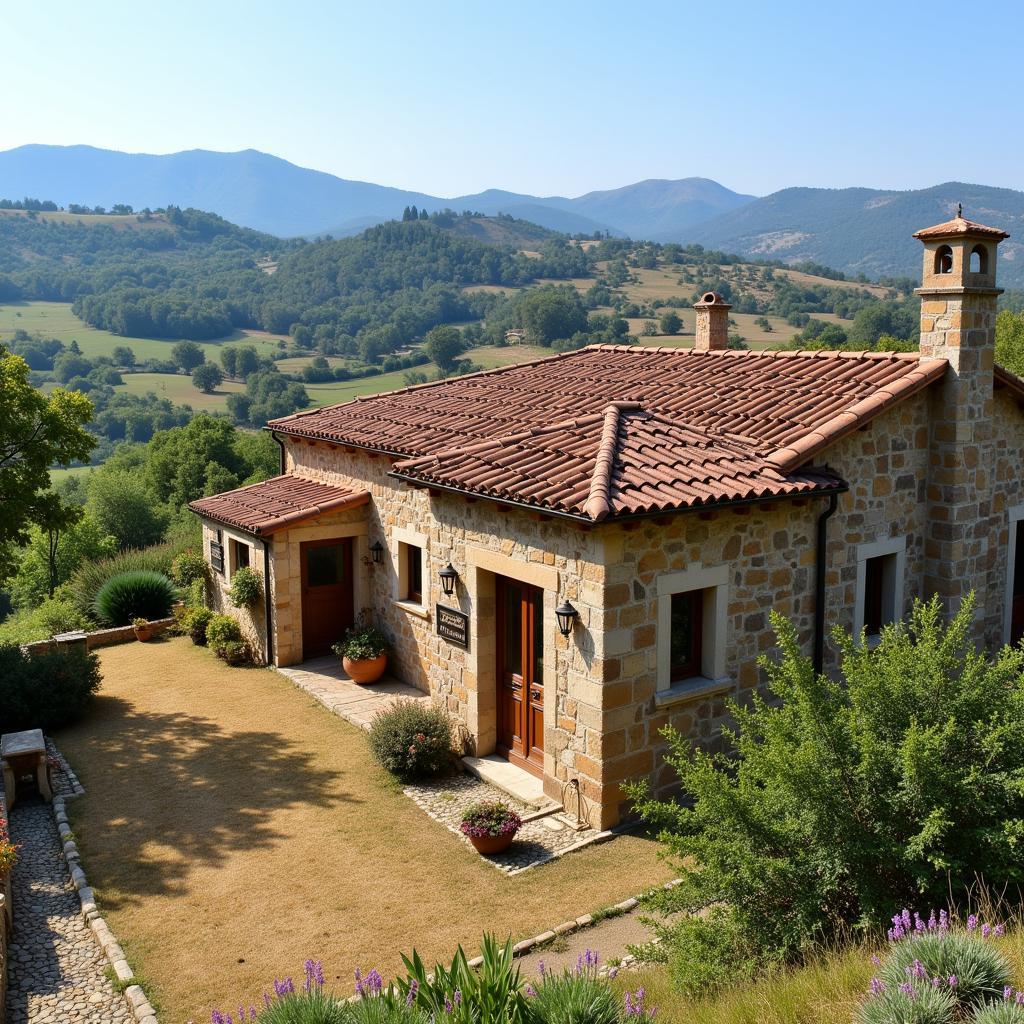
(264, 192)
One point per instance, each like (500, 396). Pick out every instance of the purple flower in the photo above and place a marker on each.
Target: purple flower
(999, 929)
(972, 922)
(613, 972)
(530, 991)
(458, 997)
(875, 960)
(952, 981)
(447, 1005)
(1007, 991)
(877, 986)
(907, 989)
(266, 998)
(410, 996)
(217, 1017)
(252, 1013)
(932, 923)
(374, 982)
(986, 930)
(943, 921)
(540, 967)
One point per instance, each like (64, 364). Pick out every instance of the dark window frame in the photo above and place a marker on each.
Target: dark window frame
(681, 670)
(874, 594)
(241, 555)
(413, 555)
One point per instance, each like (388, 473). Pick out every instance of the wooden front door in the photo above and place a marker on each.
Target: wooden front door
(520, 673)
(327, 600)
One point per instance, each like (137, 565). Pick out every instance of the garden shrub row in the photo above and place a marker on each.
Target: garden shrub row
(47, 690)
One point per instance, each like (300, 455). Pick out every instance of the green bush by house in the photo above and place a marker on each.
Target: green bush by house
(412, 741)
(45, 691)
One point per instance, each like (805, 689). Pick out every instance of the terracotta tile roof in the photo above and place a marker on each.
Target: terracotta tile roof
(960, 226)
(276, 503)
(622, 461)
(776, 398)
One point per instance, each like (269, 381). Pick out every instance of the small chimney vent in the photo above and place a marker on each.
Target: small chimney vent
(712, 323)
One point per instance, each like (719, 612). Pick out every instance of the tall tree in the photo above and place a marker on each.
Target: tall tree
(36, 431)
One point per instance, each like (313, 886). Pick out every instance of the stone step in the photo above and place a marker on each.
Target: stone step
(517, 782)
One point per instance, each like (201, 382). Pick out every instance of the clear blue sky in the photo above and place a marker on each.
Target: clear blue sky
(544, 97)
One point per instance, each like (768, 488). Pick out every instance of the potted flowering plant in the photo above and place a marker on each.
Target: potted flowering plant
(490, 825)
(8, 858)
(363, 653)
(143, 629)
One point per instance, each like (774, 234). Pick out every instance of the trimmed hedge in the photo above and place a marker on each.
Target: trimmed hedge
(45, 691)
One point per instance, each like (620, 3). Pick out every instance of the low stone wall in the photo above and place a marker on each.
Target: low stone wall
(102, 637)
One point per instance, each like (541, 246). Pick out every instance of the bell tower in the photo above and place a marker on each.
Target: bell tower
(958, 323)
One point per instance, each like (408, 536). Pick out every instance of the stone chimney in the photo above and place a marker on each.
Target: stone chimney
(958, 323)
(712, 323)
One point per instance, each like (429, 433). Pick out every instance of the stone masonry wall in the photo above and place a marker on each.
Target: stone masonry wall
(769, 554)
(1007, 493)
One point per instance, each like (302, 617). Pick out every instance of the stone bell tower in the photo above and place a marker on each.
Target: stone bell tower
(958, 323)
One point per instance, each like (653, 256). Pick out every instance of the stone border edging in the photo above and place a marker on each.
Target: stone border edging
(575, 925)
(135, 997)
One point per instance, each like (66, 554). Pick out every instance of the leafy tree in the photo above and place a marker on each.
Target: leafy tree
(206, 377)
(670, 323)
(36, 431)
(54, 552)
(444, 345)
(228, 359)
(187, 355)
(1010, 341)
(123, 506)
(123, 356)
(551, 313)
(844, 801)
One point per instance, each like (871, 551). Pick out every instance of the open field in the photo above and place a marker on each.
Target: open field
(55, 320)
(179, 389)
(121, 221)
(233, 827)
(59, 473)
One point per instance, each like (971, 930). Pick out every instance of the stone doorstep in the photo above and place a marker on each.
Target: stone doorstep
(515, 781)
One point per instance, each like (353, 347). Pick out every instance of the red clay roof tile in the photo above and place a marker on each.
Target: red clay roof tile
(272, 505)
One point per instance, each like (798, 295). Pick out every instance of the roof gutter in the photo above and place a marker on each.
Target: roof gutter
(280, 444)
(268, 605)
(580, 520)
(819, 582)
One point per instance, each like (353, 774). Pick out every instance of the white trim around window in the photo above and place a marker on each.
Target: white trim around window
(893, 581)
(400, 538)
(1015, 515)
(714, 582)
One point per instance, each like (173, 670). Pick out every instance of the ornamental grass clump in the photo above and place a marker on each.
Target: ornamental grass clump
(140, 594)
(412, 740)
(933, 972)
(490, 819)
(308, 1004)
(839, 800)
(576, 995)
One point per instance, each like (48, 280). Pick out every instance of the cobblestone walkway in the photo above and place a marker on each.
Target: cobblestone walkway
(55, 966)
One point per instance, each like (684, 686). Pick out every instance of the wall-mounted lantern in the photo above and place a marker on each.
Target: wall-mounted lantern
(448, 577)
(566, 615)
(377, 551)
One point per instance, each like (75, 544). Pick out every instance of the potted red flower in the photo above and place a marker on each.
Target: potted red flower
(490, 825)
(143, 629)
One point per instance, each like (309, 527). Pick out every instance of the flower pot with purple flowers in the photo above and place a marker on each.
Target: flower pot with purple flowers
(490, 826)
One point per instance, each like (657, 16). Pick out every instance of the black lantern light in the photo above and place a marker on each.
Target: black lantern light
(377, 551)
(566, 615)
(448, 577)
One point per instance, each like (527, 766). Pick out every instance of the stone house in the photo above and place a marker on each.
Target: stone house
(614, 524)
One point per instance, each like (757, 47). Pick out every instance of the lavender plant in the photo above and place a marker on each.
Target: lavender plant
(307, 1004)
(574, 995)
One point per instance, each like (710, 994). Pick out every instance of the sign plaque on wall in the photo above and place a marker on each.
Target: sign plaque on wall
(453, 626)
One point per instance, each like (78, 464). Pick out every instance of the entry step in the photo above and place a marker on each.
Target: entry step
(511, 779)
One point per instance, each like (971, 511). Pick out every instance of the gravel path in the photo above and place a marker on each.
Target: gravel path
(56, 966)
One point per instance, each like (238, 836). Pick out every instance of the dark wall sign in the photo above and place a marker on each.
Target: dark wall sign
(453, 626)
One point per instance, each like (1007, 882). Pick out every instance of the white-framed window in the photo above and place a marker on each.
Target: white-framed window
(881, 571)
(239, 555)
(412, 582)
(692, 619)
(1013, 608)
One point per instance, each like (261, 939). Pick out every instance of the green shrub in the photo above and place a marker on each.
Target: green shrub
(194, 622)
(222, 630)
(576, 996)
(45, 691)
(1004, 1012)
(981, 971)
(54, 615)
(235, 652)
(85, 584)
(383, 1011)
(362, 643)
(923, 1004)
(187, 568)
(246, 587)
(412, 740)
(140, 594)
(910, 761)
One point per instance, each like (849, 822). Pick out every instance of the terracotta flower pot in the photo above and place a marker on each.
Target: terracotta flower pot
(492, 844)
(365, 670)
(143, 633)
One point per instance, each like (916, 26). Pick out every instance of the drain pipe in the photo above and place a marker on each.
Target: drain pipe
(819, 583)
(280, 444)
(266, 599)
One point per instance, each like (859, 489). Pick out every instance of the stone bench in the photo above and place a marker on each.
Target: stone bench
(24, 753)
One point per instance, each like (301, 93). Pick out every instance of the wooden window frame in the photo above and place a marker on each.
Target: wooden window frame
(691, 668)
(413, 555)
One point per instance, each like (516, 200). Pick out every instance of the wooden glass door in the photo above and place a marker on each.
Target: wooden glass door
(520, 673)
(327, 599)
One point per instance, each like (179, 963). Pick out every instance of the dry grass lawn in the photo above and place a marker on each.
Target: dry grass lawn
(232, 827)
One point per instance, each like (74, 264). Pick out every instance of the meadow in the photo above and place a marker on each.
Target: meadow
(55, 320)
(179, 389)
